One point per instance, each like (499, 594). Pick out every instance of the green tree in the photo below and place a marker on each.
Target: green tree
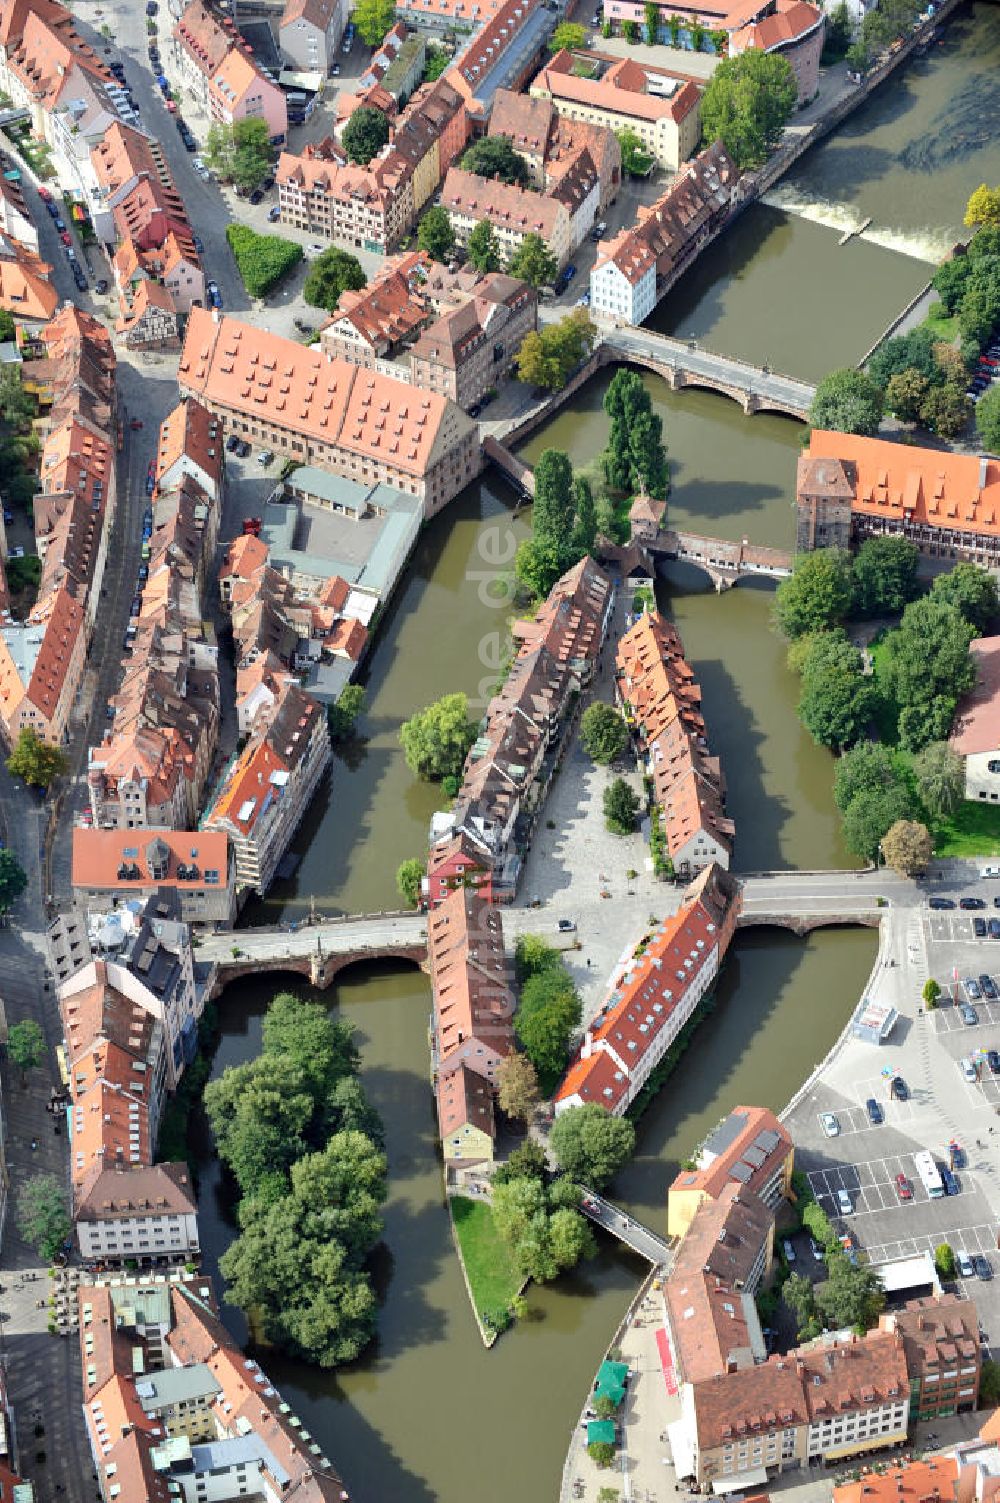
(602, 1452)
(13, 880)
(950, 281)
(621, 806)
(260, 1113)
(435, 234)
(944, 1260)
(484, 247)
(533, 262)
(870, 815)
(591, 1145)
(437, 739)
(884, 577)
(946, 409)
(18, 406)
(630, 31)
(983, 207)
(853, 1295)
(546, 1018)
(409, 876)
(930, 993)
(837, 700)
(906, 393)
(568, 35)
(570, 1238)
(866, 768)
(988, 419)
(989, 1382)
(26, 1046)
(8, 328)
(532, 955)
(38, 762)
(526, 1161)
(43, 1215)
(517, 1088)
(365, 133)
(940, 775)
(905, 352)
(603, 733)
(302, 1032)
(584, 517)
(342, 716)
(437, 62)
(907, 848)
(651, 14)
(636, 158)
(838, 35)
(262, 260)
(972, 591)
(636, 457)
(927, 667)
(797, 1292)
(373, 18)
(547, 357)
(849, 401)
(818, 594)
(747, 103)
(495, 157)
(331, 274)
(239, 153)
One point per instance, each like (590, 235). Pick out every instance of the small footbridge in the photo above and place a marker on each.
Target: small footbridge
(655, 1249)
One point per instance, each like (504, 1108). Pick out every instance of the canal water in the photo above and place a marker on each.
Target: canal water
(428, 1414)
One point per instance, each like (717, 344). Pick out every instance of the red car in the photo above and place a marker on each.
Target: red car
(65, 237)
(135, 424)
(903, 1187)
(44, 193)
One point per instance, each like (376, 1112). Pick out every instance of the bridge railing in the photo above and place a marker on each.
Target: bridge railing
(321, 921)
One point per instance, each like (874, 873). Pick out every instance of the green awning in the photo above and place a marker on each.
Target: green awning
(612, 1374)
(613, 1391)
(601, 1431)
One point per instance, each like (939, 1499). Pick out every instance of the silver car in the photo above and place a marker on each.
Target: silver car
(831, 1125)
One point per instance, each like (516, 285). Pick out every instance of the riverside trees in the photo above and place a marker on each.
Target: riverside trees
(304, 1146)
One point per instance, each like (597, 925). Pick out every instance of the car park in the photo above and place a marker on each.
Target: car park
(968, 1014)
(979, 928)
(903, 1187)
(831, 1124)
(875, 1112)
(964, 1262)
(940, 903)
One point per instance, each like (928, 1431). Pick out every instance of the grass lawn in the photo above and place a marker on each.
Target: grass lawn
(973, 830)
(940, 325)
(492, 1277)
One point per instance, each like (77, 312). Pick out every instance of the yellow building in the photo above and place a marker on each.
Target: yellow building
(750, 1147)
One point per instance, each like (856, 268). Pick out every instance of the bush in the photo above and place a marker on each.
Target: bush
(262, 260)
(944, 1261)
(602, 1452)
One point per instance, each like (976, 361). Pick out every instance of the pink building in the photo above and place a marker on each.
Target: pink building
(238, 91)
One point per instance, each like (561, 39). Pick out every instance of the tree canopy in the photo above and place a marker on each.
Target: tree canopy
(549, 355)
(545, 1020)
(409, 876)
(332, 273)
(988, 419)
(13, 880)
(540, 1226)
(636, 158)
(907, 848)
(43, 1214)
(262, 260)
(972, 591)
(568, 35)
(871, 815)
(883, 576)
(621, 806)
(533, 262)
(746, 104)
(940, 775)
(437, 739)
(818, 594)
(239, 153)
(837, 700)
(563, 524)
(517, 1088)
(26, 1045)
(603, 733)
(983, 207)
(38, 762)
(484, 247)
(635, 459)
(866, 768)
(365, 133)
(848, 401)
(927, 667)
(591, 1145)
(435, 234)
(495, 157)
(373, 19)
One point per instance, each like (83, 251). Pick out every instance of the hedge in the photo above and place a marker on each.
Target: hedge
(262, 259)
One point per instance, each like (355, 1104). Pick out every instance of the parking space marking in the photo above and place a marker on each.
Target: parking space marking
(980, 1238)
(871, 1185)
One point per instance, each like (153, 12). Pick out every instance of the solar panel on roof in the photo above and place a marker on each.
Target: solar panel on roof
(754, 1157)
(742, 1172)
(768, 1140)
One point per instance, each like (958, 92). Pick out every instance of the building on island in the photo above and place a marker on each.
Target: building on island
(662, 703)
(849, 488)
(975, 734)
(653, 996)
(750, 1149)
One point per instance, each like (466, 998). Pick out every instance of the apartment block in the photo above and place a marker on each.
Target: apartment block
(943, 1355)
(513, 212)
(750, 1149)
(309, 33)
(465, 353)
(111, 867)
(661, 109)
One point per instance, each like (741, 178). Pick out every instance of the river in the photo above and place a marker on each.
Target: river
(429, 1415)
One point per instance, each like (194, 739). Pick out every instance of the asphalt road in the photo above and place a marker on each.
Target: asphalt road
(336, 939)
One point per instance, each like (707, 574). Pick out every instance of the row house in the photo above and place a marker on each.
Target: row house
(174, 264)
(943, 1355)
(117, 867)
(850, 488)
(26, 288)
(632, 267)
(465, 353)
(430, 135)
(148, 320)
(452, 864)
(325, 412)
(662, 110)
(309, 33)
(503, 53)
(175, 1409)
(652, 996)
(191, 443)
(662, 703)
(148, 952)
(472, 1023)
(508, 767)
(749, 1148)
(16, 222)
(268, 789)
(372, 323)
(440, 18)
(513, 212)
(360, 208)
(395, 66)
(216, 65)
(550, 141)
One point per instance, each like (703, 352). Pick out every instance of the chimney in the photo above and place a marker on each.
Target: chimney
(983, 465)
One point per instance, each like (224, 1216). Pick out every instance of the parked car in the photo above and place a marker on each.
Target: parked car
(983, 1266)
(968, 1068)
(964, 1264)
(265, 457)
(274, 213)
(993, 1060)
(968, 1014)
(979, 928)
(8, 515)
(988, 987)
(231, 443)
(816, 1250)
(903, 1187)
(566, 926)
(243, 449)
(136, 606)
(952, 1184)
(44, 194)
(199, 244)
(65, 237)
(898, 1088)
(940, 903)
(101, 286)
(256, 196)
(971, 903)
(971, 987)
(993, 928)
(788, 1250)
(874, 1110)
(844, 1203)
(831, 1124)
(17, 551)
